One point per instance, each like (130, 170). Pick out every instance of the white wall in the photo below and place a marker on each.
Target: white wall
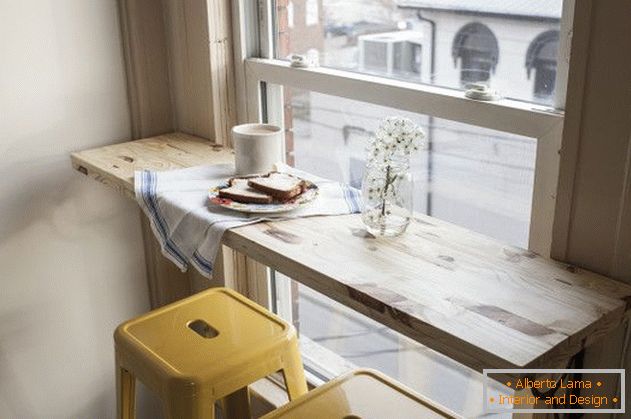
(71, 261)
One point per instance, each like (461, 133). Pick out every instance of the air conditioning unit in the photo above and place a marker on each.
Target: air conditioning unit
(391, 54)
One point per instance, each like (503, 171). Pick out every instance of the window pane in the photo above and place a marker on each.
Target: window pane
(478, 178)
(510, 45)
(335, 339)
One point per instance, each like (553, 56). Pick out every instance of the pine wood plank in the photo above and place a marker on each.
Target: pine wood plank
(222, 69)
(114, 165)
(472, 298)
(465, 295)
(147, 67)
(187, 39)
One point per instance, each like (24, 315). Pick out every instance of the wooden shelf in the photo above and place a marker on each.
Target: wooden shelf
(114, 165)
(472, 298)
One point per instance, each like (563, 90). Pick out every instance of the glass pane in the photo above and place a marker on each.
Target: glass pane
(510, 45)
(335, 339)
(478, 178)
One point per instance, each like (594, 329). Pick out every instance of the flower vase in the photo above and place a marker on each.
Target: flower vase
(387, 192)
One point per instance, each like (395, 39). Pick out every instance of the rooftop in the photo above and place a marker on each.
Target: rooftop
(548, 9)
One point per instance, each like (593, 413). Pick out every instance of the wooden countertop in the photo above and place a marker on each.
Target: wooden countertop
(114, 165)
(470, 297)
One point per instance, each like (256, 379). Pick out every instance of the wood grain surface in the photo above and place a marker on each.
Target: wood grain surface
(479, 301)
(114, 165)
(472, 298)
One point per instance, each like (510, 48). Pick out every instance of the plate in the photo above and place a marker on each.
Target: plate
(310, 193)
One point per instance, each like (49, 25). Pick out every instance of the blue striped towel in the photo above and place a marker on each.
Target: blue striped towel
(189, 228)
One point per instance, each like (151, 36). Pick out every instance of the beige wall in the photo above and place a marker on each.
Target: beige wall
(594, 227)
(71, 261)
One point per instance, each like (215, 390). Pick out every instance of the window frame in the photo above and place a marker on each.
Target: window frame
(259, 83)
(260, 78)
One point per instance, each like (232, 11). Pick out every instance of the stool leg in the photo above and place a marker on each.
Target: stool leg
(237, 405)
(125, 394)
(180, 408)
(294, 374)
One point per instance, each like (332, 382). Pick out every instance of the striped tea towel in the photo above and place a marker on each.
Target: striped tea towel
(189, 228)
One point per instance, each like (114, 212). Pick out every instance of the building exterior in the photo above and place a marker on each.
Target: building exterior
(511, 45)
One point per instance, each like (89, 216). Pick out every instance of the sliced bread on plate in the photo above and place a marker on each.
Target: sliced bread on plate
(281, 186)
(240, 191)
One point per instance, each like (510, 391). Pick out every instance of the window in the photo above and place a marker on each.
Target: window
(475, 49)
(490, 166)
(420, 40)
(417, 56)
(479, 178)
(542, 58)
(396, 54)
(475, 177)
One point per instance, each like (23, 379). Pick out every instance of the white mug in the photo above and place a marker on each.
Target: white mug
(257, 147)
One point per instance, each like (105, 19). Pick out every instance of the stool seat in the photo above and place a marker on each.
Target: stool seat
(241, 330)
(203, 348)
(361, 394)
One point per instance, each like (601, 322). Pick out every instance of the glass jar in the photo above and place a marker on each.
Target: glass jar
(387, 192)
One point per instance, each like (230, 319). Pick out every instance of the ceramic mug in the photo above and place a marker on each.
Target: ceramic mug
(257, 147)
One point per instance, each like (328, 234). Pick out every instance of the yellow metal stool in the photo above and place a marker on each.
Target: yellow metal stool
(202, 349)
(361, 394)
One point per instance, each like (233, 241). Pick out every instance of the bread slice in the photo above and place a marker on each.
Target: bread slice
(281, 186)
(240, 191)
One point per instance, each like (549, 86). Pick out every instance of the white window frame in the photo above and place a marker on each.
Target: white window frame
(257, 68)
(260, 79)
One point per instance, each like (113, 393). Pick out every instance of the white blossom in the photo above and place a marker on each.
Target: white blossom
(393, 144)
(396, 138)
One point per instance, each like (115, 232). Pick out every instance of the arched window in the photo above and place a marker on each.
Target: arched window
(542, 57)
(476, 48)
